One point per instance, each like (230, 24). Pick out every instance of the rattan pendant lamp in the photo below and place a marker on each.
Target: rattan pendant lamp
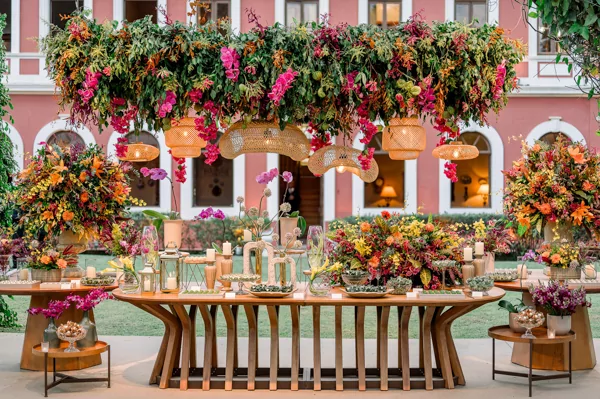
(456, 151)
(260, 137)
(183, 139)
(140, 152)
(344, 159)
(404, 138)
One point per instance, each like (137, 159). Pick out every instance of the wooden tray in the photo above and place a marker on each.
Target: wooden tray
(366, 294)
(60, 353)
(271, 294)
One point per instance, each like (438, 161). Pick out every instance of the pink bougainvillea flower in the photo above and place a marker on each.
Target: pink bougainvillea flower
(317, 142)
(86, 94)
(287, 176)
(195, 95)
(106, 71)
(368, 128)
(250, 69)
(232, 74)
(231, 61)
(211, 153)
(450, 171)
(500, 77)
(166, 106)
(365, 158)
(282, 84)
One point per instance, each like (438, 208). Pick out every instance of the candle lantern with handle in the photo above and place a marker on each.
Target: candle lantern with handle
(171, 261)
(147, 280)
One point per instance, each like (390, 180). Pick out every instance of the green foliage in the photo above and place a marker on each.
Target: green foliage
(511, 307)
(8, 317)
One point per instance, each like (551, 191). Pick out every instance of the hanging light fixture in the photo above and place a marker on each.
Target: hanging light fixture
(260, 137)
(183, 139)
(455, 151)
(404, 138)
(140, 152)
(344, 159)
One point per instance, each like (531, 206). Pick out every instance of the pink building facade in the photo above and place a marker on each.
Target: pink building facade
(547, 102)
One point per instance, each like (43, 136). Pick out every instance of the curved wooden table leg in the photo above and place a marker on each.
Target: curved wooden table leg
(274, 364)
(436, 349)
(360, 347)
(339, 361)
(426, 338)
(295, 312)
(316, 311)
(252, 349)
(178, 342)
(378, 337)
(383, 349)
(160, 356)
(193, 356)
(406, 311)
(215, 353)
(421, 315)
(184, 319)
(209, 343)
(234, 310)
(231, 338)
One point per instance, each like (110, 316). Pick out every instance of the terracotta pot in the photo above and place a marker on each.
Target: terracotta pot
(286, 225)
(172, 229)
(46, 276)
(564, 231)
(560, 324)
(514, 326)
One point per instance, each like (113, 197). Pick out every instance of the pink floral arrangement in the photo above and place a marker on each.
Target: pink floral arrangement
(54, 310)
(166, 106)
(283, 83)
(91, 300)
(559, 300)
(231, 61)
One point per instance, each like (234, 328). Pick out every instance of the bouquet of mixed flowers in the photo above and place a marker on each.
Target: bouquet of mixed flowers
(495, 236)
(54, 310)
(562, 255)
(91, 300)
(553, 183)
(48, 258)
(72, 189)
(557, 299)
(123, 239)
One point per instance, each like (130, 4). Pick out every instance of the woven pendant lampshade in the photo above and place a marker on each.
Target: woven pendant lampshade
(183, 139)
(344, 159)
(140, 152)
(261, 137)
(456, 151)
(404, 138)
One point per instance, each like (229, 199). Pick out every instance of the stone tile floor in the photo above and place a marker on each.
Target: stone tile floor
(133, 358)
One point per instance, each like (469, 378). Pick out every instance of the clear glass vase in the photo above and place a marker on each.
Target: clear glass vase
(320, 285)
(50, 335)
(149, 246)
(128, 280)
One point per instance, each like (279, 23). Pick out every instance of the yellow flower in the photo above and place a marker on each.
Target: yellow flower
(361, 247)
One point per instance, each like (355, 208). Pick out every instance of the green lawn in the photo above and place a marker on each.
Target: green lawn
(118, 318)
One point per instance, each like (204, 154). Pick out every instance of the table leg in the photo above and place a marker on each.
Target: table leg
(530, 365)
(193, 355)
(316, 311)
(160, 356)
(234, 310)
(339, 365)
(209, 343)
(378, 335)
(230, 357)
(434, 326)
(215, 353)
(45, 375)
(421, 315)
(108, 366)
(360, 347)
(178, 342)
(172, 350)
(185, 321)
(570, 363)
(273, 312)
(406, 311)
(493, 359)
(295, 312)
(252, 349)
(383, 356)
(426, 344)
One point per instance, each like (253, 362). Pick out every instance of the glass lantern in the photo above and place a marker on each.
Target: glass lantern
(171, 262)
(147, 277)
(149, 246)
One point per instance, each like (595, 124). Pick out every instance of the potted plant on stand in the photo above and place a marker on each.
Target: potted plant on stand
(560, 302)
(172, 221)
(513, 311)
(85, 304)
(54, 310)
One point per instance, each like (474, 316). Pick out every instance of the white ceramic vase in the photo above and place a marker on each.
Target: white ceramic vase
(173, 231)
(560, 324)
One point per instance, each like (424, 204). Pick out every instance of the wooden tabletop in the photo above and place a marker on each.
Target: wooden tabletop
(533, 278)
(60, 353)
(389, 300)
(7, 290)
(504, 333)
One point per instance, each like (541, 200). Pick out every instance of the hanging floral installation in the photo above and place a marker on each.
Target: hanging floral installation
(335, 79)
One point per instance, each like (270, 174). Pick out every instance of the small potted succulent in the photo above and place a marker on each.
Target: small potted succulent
(399, 285)
(513, 311)
(355, 277)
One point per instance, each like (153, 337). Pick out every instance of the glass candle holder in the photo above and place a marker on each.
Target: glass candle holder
(551, 333)
(45, 346)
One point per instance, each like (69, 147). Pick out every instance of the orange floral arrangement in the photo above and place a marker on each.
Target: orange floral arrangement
(48, 258)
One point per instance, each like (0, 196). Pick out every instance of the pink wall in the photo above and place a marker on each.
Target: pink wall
(29, 29)
(255, 164)
(265, 10)
(431, 10)
(103, 10)
(177, 10)
(343, 11)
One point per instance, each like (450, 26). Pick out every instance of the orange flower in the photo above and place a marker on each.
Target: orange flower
(581, 213)
(68, 216)
(47, 215)
(55, 178)
(120, 193)
(577, 156)
(524, 221)
(555, 258)
(82, 177)
(429, 227)
(84, 197)
(562, 190)
(545, 254)
(374, 262)
(397, 235)
(97, 167)
(546, 209)
(60, 167)
(45, 259)
(587, 186)
(389, 240)
(365, 226)
(536, 147)
(527, 210)
(61, 263)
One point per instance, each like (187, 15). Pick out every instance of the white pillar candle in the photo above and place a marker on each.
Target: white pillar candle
(589, 271)
(147, 287)
(90, 272)
(468, 253)
(210, 255)
(479, 248)
(522, 271)
(227, 248)
(24, 274)
(247, 235)
(171, 283)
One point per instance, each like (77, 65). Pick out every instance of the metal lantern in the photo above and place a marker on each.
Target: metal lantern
(147, 280)
(171, 262)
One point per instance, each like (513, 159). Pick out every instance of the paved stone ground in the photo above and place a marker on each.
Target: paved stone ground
(133, 358)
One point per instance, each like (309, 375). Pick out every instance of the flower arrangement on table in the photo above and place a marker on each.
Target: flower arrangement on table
(122, 240)
(89, 301)
(227, 225)
(10, 247)
(495, 236)
(560, 255)
(559, 300)
(553, 183)
(73, 189)
(54, 310)
(47, 258)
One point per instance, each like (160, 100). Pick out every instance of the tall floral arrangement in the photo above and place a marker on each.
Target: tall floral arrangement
(123, 239)
(556, 182)
(72, 189)
(559, 300)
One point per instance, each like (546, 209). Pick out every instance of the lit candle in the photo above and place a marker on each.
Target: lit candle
(478, 248)
(468, 253)
(171, 283)
(210, 255)
(45, 346)
(522, 271)
(90, 272)
(589, 271)
(551, 333)
(226, 248)
(247, 235)
(24, 274)
(147, 287)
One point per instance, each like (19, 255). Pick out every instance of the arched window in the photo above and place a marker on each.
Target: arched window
(213, 184)
(65, 138)
(387, 191)
(551, 138)
(144, 188)
(473, 187)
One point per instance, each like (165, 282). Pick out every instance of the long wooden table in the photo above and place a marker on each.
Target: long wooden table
(177, 365)
(34, 330)
(555, 357)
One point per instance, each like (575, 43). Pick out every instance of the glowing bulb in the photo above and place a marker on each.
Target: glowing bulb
(455, 154)
(185, 133)
(341, 169)
(137, 154)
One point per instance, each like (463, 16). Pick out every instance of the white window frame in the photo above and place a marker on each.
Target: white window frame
(493, 12)
(363, 11)
(496, 176)
(17, 141)
(235, 10)
(60, 125)
(188, 211)
(165, 162)
(280, 10)
(119, 11)
(410, 189)
(555, 124)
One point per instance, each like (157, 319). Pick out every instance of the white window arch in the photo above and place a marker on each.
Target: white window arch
(410, 189)
(496, 180)
(17, 141)
(61, 125)
(555, 125)
(165, 163)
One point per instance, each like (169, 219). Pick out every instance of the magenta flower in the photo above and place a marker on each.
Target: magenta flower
(211, 152)
(165, 106)
(231, 61)
(232, 74)
(219, 215)
(267, 177)
(500, 77)
(91, 300)
(287, 176)
(282, 84)
(365, 159)
(54, 310)
(450, 171)
(195, 95)
(154, 173)
(86, 94)
(210, 212)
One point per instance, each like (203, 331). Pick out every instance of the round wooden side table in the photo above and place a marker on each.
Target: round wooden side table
(59, 353)
(504, 333)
